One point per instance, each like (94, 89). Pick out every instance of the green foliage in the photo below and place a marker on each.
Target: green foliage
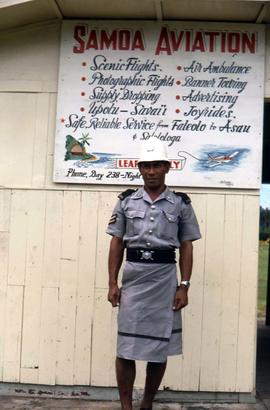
(265, 221)
(263, 273)
(263, 236)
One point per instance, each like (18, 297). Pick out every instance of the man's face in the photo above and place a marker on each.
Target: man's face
(154, 173)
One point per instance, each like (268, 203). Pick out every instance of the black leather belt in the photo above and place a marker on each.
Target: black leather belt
(150, 255)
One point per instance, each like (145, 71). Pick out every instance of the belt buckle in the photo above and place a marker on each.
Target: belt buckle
(146, 255)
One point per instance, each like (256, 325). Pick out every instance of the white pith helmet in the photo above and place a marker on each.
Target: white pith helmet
(153, 150)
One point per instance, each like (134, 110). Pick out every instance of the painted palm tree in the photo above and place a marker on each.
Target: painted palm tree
(84, 139)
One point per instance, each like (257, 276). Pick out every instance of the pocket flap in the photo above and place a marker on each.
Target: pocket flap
(135, 214)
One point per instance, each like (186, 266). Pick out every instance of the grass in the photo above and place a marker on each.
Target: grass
(263, 272)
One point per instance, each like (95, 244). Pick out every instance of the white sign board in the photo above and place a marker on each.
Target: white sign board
(196, 86)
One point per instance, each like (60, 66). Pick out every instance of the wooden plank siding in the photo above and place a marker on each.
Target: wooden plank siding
(248, 296)
(192, 332)
(233, 220)
(5, 197)
(212, 306)
(58, 327)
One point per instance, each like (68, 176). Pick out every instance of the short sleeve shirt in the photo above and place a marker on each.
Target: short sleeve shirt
(163, 223)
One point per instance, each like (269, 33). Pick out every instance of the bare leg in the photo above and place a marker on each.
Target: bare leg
(154, 375)
(125, 374)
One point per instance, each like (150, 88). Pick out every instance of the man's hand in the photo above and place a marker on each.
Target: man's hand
(181, 298)
(114, 295)
(115, 260)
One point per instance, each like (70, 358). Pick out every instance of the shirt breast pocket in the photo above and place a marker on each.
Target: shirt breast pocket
(134, 225)
(168, 227)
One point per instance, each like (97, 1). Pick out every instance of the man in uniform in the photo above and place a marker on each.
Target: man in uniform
(150, 223)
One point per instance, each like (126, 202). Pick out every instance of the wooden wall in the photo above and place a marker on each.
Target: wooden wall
(56, 326)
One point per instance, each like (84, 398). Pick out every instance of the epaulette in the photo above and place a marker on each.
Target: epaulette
(126, 193)
(184, 196)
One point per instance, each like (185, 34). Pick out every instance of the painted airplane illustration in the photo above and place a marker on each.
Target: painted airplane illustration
(216, 160)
